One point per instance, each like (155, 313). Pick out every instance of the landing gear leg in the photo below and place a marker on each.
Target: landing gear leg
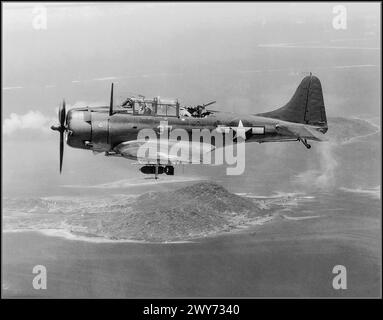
(156, 169)
(304, 141)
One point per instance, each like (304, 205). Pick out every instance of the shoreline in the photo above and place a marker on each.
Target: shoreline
(68, 235)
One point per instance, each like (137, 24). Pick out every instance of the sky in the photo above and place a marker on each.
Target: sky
(249, 57)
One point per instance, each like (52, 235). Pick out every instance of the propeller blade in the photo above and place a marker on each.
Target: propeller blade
(59, 114)
(111, 101)
(62, 113)
(61, 149)
(61, 128)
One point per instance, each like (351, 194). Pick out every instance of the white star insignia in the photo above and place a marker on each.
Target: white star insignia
(240, 131)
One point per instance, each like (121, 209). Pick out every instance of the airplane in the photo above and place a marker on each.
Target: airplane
(113, 130)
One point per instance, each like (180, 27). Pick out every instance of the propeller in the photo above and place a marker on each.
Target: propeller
(111, 101)
(61, 128)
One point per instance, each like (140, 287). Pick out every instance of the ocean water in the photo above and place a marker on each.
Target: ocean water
(246, 264)
(311, 235)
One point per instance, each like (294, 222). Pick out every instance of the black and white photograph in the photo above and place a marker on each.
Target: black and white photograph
(183, 150)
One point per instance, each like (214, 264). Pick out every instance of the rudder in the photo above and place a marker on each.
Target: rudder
(306, 105)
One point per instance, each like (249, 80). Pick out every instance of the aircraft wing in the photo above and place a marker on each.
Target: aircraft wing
(301, 131)
(165, 151)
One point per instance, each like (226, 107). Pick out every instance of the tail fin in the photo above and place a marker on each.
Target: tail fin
(306, 105)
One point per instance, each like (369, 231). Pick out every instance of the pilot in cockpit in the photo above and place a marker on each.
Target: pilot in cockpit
(144, 109)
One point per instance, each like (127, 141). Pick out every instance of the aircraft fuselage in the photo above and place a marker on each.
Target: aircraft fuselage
(94, 129)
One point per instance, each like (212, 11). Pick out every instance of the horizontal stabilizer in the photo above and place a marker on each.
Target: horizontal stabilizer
(301, 131)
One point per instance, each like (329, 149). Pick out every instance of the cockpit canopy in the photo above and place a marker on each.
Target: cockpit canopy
(152, 107)
(162, 107)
